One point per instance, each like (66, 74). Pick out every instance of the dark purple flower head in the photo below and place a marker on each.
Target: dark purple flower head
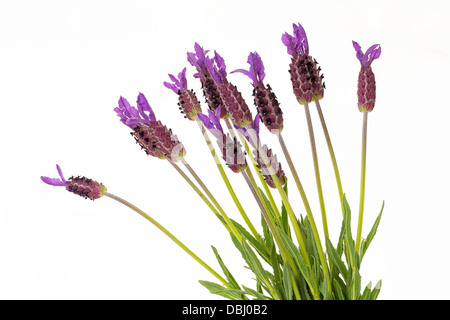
(179, 84)
(297, 44)
(82, 186)
(130, 116)
(371, 54)
(366, 78)
(256, 70)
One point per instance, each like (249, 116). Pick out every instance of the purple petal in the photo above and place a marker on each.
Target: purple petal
(144, 106)
(171, 86)
(60, 173)
(215, 118)
(372, 53)
(209, 124)
(205, 120)
(257, 66)
(246, 72)
(55, 181)
(359, 53)
(289, 42)
(174, 79)
(220, 64)
(213, 70)
(183, 81)
(255, 124)
(301, 39)
(298, 43)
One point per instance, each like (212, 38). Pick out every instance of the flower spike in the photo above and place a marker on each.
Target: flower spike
(82, 186)
(232, 99)
(153, 137)
(204, 66)
(366, 79)
(187, 100)
(305, 73)
(264, 99)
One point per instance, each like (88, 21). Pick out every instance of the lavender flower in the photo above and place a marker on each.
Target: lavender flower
(231, 149)
(187, 100)
(221, 91)
(153, 137)
(204, 66)
(264, 99)
(273, 162)
(366, 79)
(233, 101)
(82, 186)
(305, 75)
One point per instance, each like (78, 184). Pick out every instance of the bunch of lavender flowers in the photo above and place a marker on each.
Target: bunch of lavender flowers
(290, 260)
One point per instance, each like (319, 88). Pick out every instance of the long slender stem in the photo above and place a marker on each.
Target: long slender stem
(335, 166)
(332, 155)
(231, 226)
(316, 170)
(226, 180)
(363, 180)
(170, 235)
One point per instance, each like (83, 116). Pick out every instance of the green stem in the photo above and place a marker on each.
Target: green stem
(170, 235)
(332, 155)
(226, 180)
(316, 170)
(230, 224)
(335, 166)
(363, 180)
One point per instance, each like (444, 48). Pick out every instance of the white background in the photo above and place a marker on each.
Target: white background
(63, 67)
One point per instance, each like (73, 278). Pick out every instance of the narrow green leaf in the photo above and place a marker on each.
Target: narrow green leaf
(259, 247)
(338, 290)
(268, 239)
(256, 294)
(275, 263)
(367, 292)
(355, 285)
(225, 270)
(334, 258)
(376, 291)
(340, 245)
(215, 288)
(350, 244)
(297, 256)
(372, 233)
(287, 282)
(255, 265)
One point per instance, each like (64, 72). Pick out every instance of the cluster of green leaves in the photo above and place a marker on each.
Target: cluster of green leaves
(281, 282)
